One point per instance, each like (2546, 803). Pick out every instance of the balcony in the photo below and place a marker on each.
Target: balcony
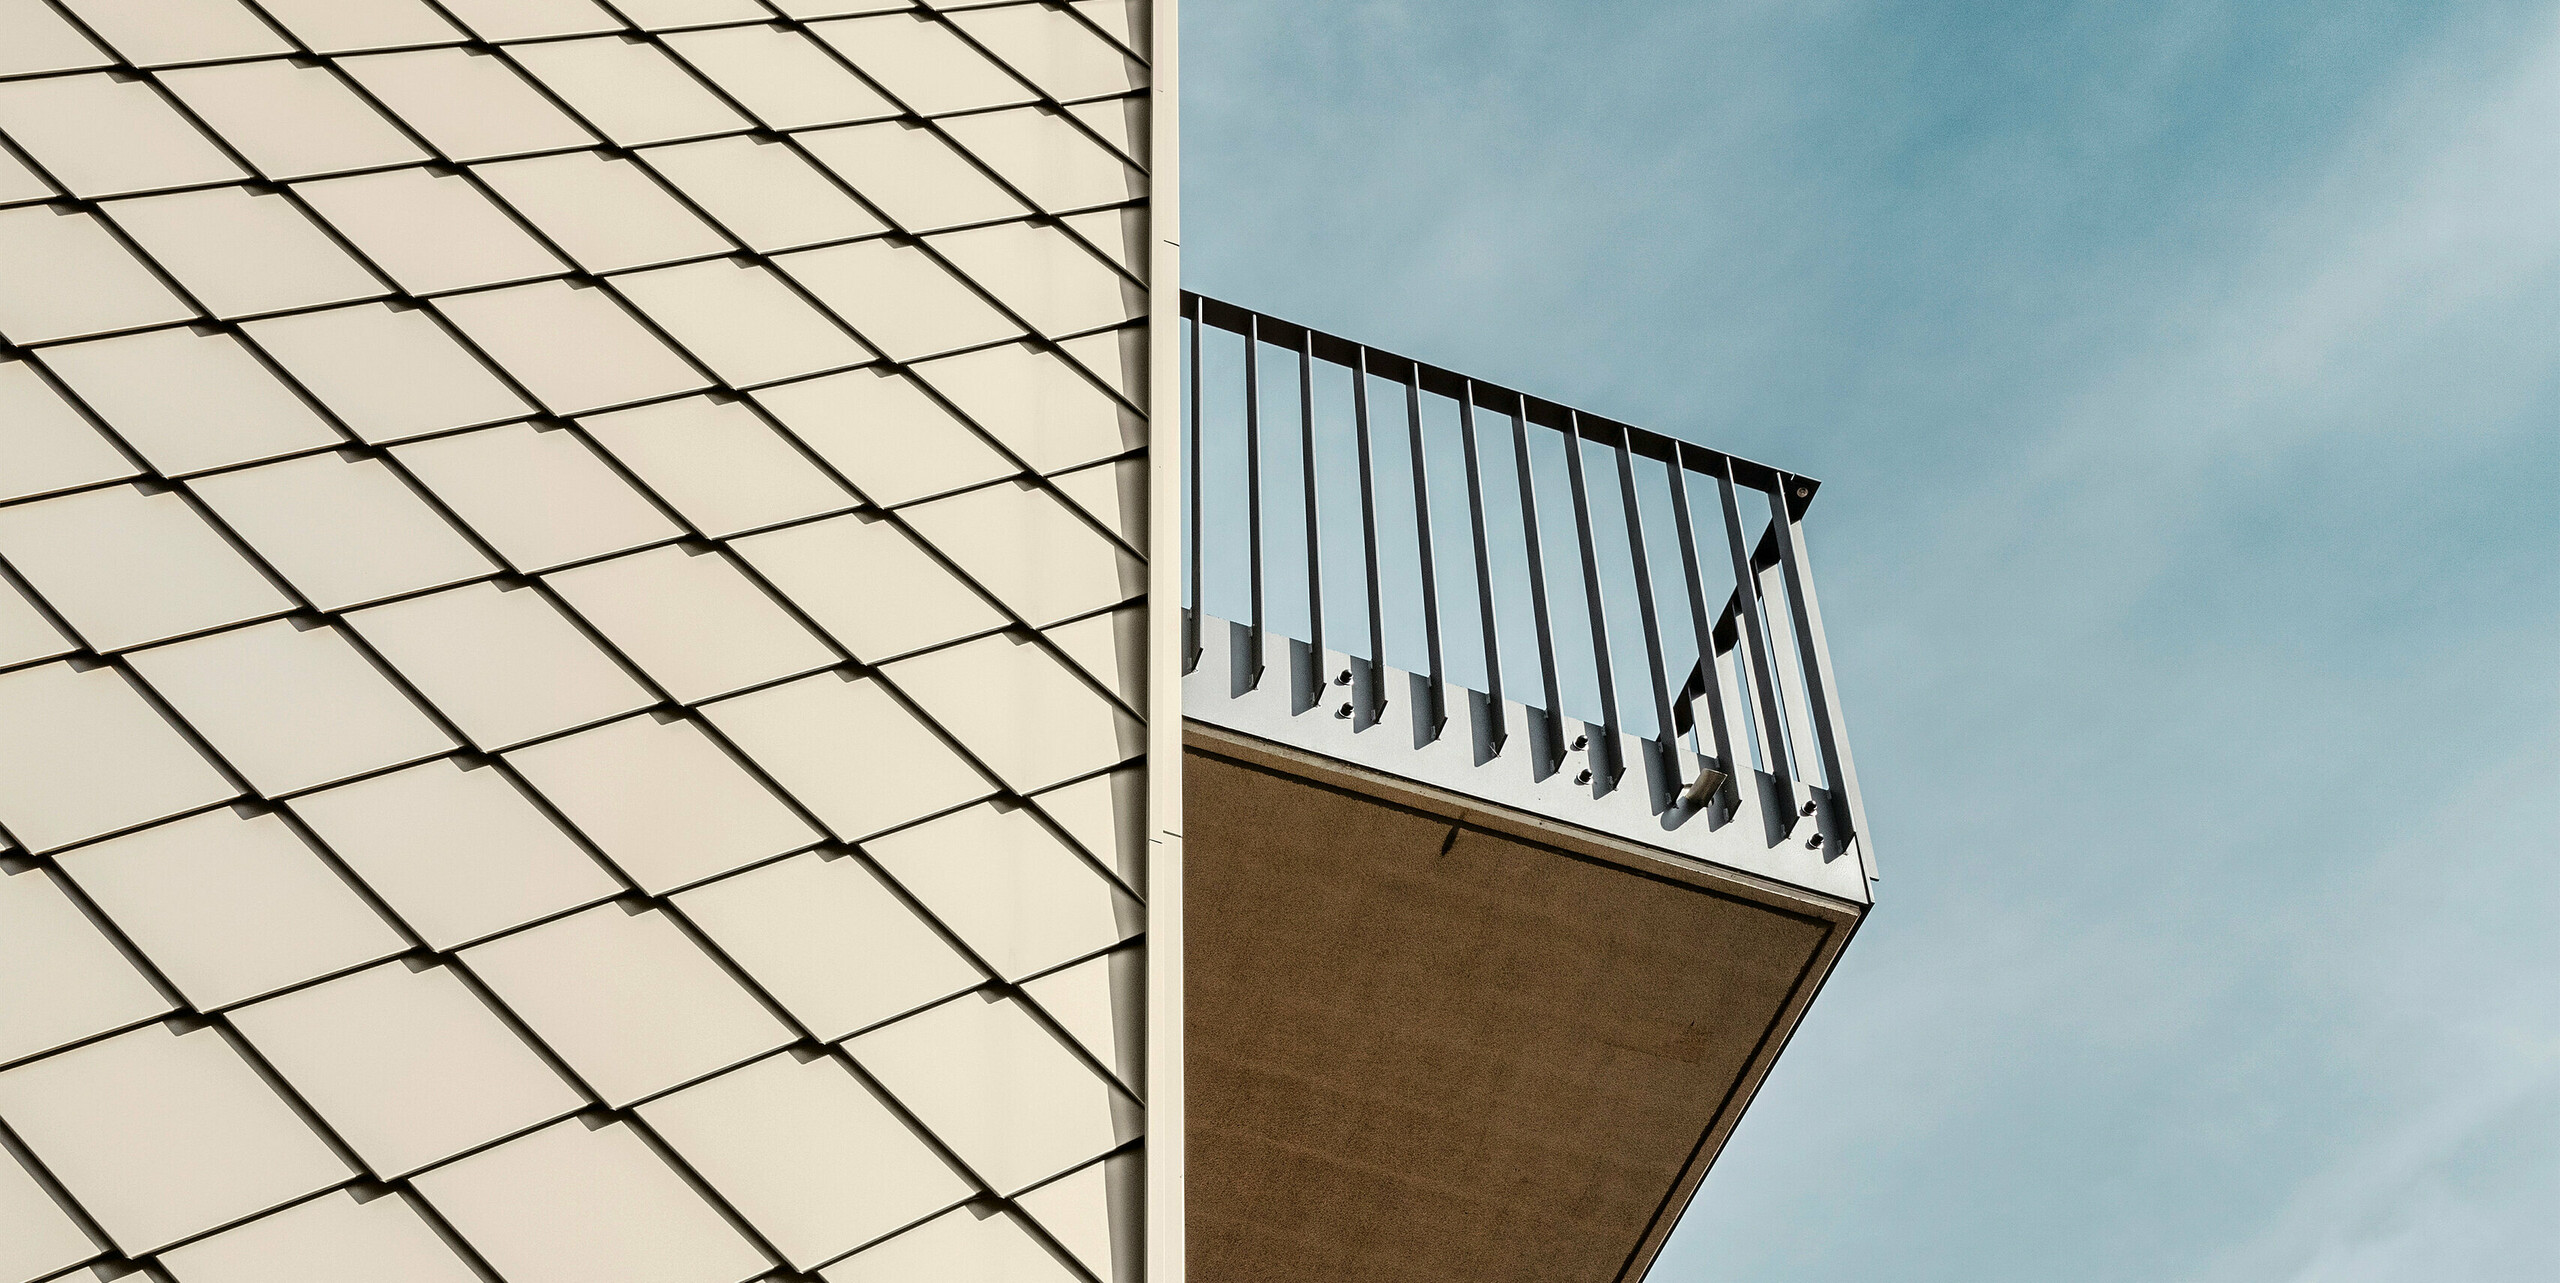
(1521, 823)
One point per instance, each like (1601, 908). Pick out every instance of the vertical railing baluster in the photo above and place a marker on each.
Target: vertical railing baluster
(1498, 731)
(1783, 651)
(1814, 655)
(1253, 486)
(1703, 620)
(1667, 736)
(1604, 745)
(1377, 685)
(1313, 692)
(1737, 697)
(1435, 711)
(1551, 753)
(1199, 500)
(1771, 725)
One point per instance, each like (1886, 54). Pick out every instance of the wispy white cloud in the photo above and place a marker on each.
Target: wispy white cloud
(2454, 1176)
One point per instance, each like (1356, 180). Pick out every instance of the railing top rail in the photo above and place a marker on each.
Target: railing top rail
(1498, 399)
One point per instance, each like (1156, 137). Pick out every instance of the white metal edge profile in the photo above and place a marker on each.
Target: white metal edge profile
(1164, 1165)
(1461, 760)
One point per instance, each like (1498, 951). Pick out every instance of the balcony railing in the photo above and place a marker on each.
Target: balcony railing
(1584, 587)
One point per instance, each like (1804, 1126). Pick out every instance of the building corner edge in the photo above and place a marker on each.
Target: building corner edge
(1165, 1241)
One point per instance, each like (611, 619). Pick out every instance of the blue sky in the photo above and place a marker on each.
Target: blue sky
(2183, 381)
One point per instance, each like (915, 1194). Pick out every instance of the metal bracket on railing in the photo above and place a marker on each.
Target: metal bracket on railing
(1703, 789)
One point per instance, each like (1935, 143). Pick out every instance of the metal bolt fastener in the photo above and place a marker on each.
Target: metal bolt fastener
(1342, 678)
(1813, 843)
(1808, 809)
(1344, 711)
(1583, 778)
(1580, 742)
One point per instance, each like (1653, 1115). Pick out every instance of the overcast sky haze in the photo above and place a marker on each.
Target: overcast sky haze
(2184, 379)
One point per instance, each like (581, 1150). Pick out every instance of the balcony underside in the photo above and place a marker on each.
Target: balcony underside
(1428, 1038)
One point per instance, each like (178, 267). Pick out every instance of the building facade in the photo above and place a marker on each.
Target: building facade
(609, 613)
(572, 694)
